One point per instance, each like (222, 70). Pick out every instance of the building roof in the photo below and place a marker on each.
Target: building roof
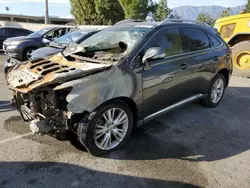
(35, 17)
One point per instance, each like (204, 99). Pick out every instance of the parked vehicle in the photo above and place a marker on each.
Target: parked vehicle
(235, 30)
(119, 78)
(21, 48)
(63, 42)
(8, 32)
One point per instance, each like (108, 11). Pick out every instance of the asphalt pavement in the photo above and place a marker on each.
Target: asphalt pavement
(192, 146)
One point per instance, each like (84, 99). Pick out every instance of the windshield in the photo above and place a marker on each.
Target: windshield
(70, 37)
(39, 32)
(122, 38)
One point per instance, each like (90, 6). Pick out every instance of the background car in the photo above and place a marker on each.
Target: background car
(21, 48)
(63, 42)
(8, 32)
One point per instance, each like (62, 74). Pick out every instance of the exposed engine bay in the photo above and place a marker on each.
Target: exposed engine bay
(35, 92)
(53, 93)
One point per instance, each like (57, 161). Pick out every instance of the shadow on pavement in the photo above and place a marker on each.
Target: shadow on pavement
(194, 133)
(51, 174)
(191, 133)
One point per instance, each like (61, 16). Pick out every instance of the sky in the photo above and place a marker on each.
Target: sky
(61, 8)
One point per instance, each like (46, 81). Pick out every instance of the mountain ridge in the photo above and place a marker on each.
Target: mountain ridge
(192, 12)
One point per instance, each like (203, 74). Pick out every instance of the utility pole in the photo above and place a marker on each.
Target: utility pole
(46, 12)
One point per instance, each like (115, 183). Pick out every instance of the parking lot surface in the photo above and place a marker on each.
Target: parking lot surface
(192, 146)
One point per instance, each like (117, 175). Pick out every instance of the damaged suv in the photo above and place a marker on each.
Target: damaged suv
(120, 78)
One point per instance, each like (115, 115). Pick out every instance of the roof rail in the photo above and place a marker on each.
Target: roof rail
(183, 21)
(128, 21)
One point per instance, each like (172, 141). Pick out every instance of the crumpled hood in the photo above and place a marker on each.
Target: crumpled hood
(57, 69)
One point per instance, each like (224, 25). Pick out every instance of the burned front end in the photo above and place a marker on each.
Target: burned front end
(37, 93)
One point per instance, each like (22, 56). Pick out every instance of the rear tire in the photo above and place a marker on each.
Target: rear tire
(216, 92)
(237, 51)
(100, 128)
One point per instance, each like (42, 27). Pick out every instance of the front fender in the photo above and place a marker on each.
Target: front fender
(90, 92)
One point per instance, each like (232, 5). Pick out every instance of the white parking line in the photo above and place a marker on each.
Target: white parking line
(15, 138)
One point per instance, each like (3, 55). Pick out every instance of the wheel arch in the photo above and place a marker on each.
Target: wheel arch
(238, 38)
(130, 102)
(225, 73)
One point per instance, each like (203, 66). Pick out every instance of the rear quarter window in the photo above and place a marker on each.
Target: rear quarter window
(215, 42)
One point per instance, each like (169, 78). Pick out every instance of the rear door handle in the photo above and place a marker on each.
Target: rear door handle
(215, 58)
(184, 66)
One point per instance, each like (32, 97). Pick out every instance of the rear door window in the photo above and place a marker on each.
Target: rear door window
(195, 39)
(170, 39)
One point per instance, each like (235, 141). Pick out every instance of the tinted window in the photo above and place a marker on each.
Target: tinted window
(196, 39)
(56, 33)
(9, 32)
(1, 32)
(170, 40)
(215, 42)
(20, 32)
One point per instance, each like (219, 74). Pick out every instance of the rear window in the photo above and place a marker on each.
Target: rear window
(196, 39)
(227, 31)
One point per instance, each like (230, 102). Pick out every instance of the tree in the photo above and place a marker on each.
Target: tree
(84, 12)
(247, 9)
(109, 11)
(225, 13)
(135, 9)
(162, 10)
(96, 12)
(203, 17)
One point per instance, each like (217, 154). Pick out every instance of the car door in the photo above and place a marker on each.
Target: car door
(166, 82)
(200, 58)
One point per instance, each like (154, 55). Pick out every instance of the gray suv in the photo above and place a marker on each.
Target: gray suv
(120, 78)
(22, 47)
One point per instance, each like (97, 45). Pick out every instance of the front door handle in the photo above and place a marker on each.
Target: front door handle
(216, 58)
(184, 66)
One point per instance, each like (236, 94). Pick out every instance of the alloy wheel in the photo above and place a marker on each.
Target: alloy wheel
(111, 128)
(217, 90)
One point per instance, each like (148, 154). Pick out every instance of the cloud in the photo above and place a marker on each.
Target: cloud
(33, 1)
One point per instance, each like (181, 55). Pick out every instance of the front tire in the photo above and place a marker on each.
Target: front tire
(108, 130)
(216, 92)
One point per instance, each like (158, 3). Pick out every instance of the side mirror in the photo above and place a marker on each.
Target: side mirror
(46, 41)
(153, 53)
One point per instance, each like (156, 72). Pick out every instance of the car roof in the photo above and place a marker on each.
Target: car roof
(162, 24)
(12, 27)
